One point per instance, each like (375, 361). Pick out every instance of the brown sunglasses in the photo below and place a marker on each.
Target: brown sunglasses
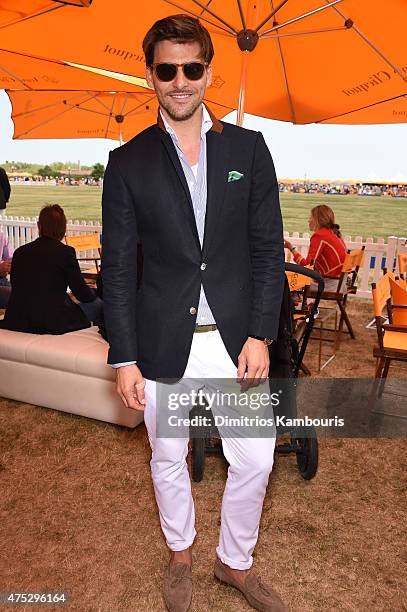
(193, 71)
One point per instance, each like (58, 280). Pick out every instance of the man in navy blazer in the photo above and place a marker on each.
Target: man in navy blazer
(201, 196)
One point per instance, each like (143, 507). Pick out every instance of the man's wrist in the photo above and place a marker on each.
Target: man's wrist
(266, 341)
(122, 364)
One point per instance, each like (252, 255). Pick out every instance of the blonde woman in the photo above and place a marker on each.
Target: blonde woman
(327, 250)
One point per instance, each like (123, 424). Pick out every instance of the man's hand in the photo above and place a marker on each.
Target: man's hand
(253, 360)
(5, 267)
(130, 386)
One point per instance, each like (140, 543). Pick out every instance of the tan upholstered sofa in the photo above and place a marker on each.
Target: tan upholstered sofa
(67, 373)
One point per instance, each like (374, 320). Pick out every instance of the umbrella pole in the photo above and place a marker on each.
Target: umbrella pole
(243, 78)
(252, 16)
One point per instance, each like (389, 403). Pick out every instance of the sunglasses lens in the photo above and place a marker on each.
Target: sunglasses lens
(166, 72)
(194, 71)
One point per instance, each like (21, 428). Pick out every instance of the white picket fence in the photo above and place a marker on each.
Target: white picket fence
(378, 254)
(21, 230)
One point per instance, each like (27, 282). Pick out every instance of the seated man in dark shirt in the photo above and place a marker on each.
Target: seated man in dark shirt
(41, 272)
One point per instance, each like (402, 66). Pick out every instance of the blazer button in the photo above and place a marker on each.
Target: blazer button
(192, 310)
(203, 266)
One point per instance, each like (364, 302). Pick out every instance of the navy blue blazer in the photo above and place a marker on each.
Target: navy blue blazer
(146, 199)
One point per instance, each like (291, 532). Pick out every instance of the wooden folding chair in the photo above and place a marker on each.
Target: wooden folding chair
(300, 283)
(402, 283)
(392, 337)
(392, 275)
(402, 263)
(350, 270)
(398, 301)
(86, 242)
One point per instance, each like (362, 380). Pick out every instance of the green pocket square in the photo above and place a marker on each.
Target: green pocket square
(234, 175)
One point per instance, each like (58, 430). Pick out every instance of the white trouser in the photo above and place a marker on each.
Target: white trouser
(250, 463)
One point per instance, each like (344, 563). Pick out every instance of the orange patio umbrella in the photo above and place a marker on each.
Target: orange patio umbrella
(14, 11)
(390, 111)
(85, 114)
(19, 71)
(301, 61)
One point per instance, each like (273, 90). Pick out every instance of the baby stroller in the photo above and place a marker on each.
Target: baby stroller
(286, 356)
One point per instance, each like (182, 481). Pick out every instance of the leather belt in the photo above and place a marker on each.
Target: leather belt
(205, 328)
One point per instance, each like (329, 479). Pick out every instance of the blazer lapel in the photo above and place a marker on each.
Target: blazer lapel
(186, 204)
(217, 152)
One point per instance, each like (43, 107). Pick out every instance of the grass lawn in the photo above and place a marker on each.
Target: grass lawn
(357, 216)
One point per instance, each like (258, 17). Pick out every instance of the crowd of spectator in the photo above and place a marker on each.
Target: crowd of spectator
(362, 189)
(59, 180)
(356, 189)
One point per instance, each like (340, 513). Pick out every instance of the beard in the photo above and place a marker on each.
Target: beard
(180, 113)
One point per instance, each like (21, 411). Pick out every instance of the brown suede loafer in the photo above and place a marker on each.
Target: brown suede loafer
(259, 596)
(177, 587)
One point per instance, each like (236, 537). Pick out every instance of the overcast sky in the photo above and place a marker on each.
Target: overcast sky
(366, 152)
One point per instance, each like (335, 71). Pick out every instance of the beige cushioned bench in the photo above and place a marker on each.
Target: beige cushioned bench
(67, 372)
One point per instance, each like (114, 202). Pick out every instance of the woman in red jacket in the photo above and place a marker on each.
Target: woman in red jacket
(327, 249)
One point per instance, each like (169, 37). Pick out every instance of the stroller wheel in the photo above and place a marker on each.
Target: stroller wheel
(197, 458)
(307, 455)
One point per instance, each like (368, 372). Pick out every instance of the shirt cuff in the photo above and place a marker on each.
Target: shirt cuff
(124, 363)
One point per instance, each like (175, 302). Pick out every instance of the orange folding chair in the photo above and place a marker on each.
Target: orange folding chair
(350, 270)
(402, 262)
(398, 302)
(86, 242)
(392, 275)
(299, 283)
(392, 336)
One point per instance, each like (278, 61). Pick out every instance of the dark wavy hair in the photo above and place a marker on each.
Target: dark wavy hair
(181, 29)
(52, 222)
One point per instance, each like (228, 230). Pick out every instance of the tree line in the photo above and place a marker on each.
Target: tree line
(55, 169)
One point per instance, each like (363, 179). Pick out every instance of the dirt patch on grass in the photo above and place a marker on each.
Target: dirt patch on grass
(78, 514)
